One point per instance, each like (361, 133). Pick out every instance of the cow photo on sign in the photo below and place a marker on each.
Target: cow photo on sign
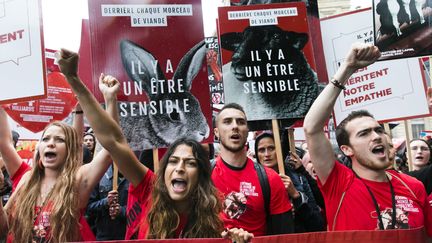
(268, 64)
(403, 28)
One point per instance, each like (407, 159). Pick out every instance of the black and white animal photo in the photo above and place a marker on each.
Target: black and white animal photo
(172, 110)
(394, 13)
(269, 74)
(403, 28)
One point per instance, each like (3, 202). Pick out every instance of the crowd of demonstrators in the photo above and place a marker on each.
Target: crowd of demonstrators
(193, 195)
(307, 214)
(249, 202)
(49, 199)
(183, 202)
(366, 197)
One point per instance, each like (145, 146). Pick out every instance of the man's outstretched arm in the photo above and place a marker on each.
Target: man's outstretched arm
(321, 152)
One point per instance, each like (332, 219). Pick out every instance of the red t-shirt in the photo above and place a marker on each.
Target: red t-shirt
(243, 203)
(19, 174)
(428, 214)
(138, 201)
(42, 226)
(357, 210)
(85, 230)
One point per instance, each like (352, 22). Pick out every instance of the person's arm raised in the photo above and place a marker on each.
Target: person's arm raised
(11, 158)
(320, 149)
(78, 121)
(107, 131)
(3, 217)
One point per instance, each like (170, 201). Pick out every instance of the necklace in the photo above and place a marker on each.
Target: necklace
(45, 195)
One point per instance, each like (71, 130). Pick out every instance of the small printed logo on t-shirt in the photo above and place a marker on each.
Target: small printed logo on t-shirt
(406, 204)
(248, 189)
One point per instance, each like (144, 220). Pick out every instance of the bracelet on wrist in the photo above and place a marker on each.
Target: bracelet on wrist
(337, 84)
(78, 112)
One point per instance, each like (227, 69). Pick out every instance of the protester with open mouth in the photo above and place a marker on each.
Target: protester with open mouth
(50, 198)
(421, 165)
(420, 153)
(360, 198)
(179, 201)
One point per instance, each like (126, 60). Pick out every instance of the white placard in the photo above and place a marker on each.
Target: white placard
(390, 90)
(21, 51)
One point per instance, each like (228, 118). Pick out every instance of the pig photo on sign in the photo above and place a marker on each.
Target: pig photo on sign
(268, 73)
(172, 110)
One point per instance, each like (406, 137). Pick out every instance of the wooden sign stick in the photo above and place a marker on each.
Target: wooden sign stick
(276, 136)
(155, 160)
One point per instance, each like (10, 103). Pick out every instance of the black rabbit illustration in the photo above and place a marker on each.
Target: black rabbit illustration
(162, 128)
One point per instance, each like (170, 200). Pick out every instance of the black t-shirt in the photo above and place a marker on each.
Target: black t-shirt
(425, 176)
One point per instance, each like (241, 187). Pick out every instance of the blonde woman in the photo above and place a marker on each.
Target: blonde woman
(49, 201)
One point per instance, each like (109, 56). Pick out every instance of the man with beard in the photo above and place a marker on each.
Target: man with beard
(360, 198)
(236, 177)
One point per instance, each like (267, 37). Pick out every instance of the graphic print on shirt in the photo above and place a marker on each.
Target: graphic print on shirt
(401, 219)
(40, 230)
(235, 202)
(404, 206)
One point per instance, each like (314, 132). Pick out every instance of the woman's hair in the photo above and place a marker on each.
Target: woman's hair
(205, 204)
(63, 201)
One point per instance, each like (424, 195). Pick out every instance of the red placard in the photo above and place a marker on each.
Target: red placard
(155, 48)
(35, 115)
(267, 58)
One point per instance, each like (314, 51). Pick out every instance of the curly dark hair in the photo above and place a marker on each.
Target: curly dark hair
(205, 203)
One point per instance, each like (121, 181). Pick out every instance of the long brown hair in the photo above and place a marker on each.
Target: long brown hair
(204, 221)
(64, 218)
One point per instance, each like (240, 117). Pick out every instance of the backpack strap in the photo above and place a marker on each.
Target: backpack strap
(265, 187)
(403, 183)
(212, 164)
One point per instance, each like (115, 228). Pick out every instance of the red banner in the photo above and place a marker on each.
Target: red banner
(389, 236)
(156, 50)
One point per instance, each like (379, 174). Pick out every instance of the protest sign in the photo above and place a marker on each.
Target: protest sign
(22, 64)
(214, 71)
(402, 28)
(156, 49)
(267, 58)
(390, 90)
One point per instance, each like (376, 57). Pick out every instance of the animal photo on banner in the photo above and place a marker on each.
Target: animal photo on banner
(268, 64)
(161, 68)
(403, 28)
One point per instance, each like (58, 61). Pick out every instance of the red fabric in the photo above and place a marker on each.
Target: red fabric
(358, 236)
(357, 211)
(43, 222)
(137, 205)
(19, 174)
(245, 182)
(428, 214)
(85, 230)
